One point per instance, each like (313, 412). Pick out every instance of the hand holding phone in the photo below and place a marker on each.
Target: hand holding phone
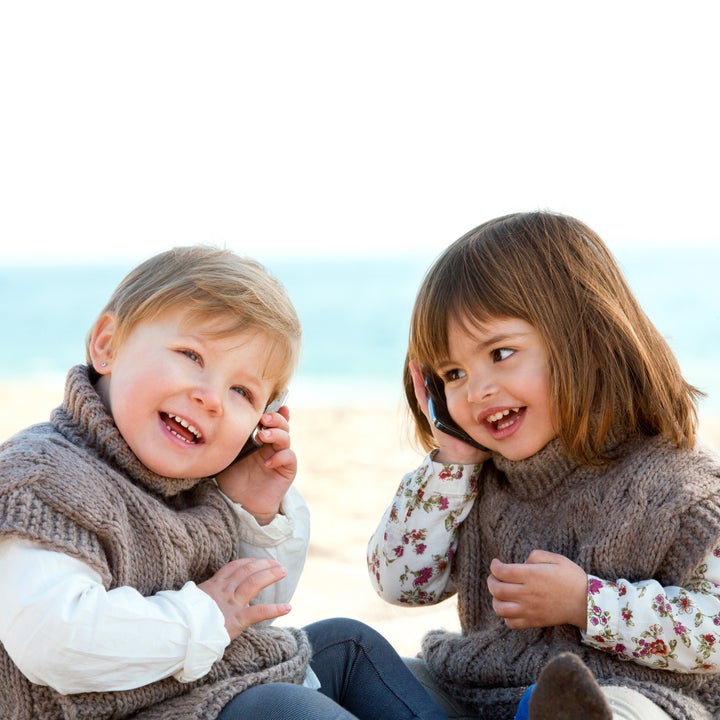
(440, 415)
(254, 442)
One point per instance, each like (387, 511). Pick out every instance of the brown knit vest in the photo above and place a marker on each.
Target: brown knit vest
(653, 513)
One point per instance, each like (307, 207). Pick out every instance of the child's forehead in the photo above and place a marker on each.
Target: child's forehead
(212, 325)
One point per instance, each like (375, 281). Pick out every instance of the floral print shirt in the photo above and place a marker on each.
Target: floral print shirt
(410, 557)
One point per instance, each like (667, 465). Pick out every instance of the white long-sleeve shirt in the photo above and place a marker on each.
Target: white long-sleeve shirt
(63, 629)
(410, 559)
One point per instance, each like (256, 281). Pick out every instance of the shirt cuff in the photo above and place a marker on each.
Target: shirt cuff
(207, 636)
(603, 614)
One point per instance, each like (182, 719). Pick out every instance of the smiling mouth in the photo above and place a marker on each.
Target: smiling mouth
(504, 418)
(181, 428)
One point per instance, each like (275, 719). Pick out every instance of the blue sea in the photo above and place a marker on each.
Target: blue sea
(355, 318)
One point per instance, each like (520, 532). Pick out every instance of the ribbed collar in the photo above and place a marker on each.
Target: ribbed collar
(85, 422)
(542, 472)
(539, 474)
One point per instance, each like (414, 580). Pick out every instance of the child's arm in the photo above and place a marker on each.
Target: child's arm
(64, 629)
(410, 555)
(669, 628)
(175, 633)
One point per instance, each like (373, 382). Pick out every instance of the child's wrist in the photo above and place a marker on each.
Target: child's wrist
(263, 519)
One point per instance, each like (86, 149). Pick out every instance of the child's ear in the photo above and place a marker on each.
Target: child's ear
(100, 345)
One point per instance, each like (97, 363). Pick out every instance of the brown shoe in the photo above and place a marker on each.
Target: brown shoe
(566, 690)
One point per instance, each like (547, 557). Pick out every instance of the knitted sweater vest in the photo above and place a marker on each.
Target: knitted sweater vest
(653, 513)
(73, 485)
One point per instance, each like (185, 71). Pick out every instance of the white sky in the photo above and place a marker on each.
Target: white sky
(297, 128)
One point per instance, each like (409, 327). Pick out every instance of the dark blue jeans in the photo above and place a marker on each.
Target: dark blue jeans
(361, 676)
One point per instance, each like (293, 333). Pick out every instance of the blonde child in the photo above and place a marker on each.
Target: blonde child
(583, 541)
(139, 560)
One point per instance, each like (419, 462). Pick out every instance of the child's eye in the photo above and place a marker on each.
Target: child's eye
(501, 354)
(243, 392)
(454, 374)
(192, 355)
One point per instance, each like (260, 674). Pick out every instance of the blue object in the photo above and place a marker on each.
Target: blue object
(523, 711)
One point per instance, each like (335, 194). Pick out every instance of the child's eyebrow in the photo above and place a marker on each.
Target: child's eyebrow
(500, 338)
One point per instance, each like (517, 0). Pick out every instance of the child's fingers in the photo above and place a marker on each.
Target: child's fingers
(242, 579)
(248, 580)
(283, 461)
(277, 437)
(259, 613)
(276, 420)
(507, 572)
(248, 565)
(544, 556)
(502, 589)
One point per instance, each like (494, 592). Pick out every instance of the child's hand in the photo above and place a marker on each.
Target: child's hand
(259, 481)
(234, 585)
(548, 589)
(451, 450)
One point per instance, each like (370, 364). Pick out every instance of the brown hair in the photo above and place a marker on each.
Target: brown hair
(210, 283)
(609, 365)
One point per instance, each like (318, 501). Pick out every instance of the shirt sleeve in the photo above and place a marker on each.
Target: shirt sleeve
(669, 628)
(285, 539)
(63, 629)
(410, 555)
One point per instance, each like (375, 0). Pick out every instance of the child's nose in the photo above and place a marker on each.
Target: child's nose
(208, 397)
(481, 387)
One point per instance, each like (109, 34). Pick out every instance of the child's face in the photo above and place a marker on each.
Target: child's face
(497, 383)
(184, 400)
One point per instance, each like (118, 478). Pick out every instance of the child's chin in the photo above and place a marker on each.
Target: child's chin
(520, 454)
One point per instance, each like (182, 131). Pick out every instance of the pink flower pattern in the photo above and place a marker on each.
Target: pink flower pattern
(647, 626)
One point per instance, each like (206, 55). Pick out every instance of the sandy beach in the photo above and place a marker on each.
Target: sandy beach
(350, 462)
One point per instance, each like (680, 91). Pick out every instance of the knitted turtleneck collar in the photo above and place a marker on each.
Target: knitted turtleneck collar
(83, 420)
(539, 474)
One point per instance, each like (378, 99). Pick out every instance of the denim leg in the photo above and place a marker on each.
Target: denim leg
(454, 709)
(282, 701)
(363, 673)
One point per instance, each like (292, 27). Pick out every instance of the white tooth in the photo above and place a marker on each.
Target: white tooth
(500, 415)
(185, 424)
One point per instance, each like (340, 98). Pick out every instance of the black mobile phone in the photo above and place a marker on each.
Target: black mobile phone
(254, 442)
(440, 415)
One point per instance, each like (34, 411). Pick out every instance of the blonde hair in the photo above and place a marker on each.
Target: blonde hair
(609, 365)
(210, 283)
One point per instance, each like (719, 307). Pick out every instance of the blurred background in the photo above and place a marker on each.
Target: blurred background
(344, 146)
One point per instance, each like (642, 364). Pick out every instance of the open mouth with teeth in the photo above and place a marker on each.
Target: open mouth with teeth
(504, 418)
(181, 428)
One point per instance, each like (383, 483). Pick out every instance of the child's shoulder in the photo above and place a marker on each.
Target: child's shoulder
(29, 443)
(657, 459)
(42, 454)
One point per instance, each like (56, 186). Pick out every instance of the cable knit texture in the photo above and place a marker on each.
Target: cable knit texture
(653, 513)
(75, 486)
